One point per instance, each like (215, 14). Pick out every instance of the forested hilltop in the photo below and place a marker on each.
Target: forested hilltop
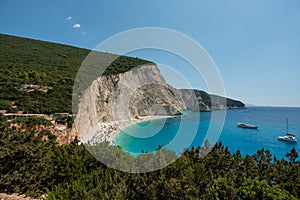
(38, 76)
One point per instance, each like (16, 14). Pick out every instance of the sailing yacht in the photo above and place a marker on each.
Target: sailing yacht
(288, 137)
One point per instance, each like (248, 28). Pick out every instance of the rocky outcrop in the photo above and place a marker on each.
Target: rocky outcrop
(194, 100)
(197, 100)
(141, 91)
(4, 196)
(64, 135)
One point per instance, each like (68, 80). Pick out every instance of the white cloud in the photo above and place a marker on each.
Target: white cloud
(69, 18)
(83, 33)
(76, 26)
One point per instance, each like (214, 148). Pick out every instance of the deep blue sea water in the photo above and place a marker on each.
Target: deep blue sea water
(177, 133)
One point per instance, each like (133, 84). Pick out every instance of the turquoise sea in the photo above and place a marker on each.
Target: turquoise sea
(147, 136)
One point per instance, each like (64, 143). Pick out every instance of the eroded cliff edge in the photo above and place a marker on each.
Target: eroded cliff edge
(139, 92)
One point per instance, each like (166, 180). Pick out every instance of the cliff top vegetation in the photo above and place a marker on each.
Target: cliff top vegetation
(38, 76)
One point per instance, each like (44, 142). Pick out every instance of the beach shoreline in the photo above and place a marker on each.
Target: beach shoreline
(107, 131)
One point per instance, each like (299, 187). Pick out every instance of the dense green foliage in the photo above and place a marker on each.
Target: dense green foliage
(34, 167)
(32, 121)
(53, 67)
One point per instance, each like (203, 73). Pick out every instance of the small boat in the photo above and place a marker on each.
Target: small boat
(288, 137)
(249, 126)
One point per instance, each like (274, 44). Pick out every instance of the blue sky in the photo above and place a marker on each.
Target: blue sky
(255, 44)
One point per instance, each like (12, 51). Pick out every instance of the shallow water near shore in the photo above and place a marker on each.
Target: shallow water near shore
(270, 120)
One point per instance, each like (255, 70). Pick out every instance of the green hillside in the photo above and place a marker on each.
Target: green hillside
(51, 69)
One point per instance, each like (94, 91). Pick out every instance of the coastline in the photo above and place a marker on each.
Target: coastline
(107, 131)
(140, 119)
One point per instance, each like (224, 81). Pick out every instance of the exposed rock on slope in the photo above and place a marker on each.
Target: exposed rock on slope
(154, 99)
(194, 100)
(64, 135)
(141, 91)
(197, 100)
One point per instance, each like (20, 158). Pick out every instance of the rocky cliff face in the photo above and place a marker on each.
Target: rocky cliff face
(141, 91)
(197, 100)
(194, 100)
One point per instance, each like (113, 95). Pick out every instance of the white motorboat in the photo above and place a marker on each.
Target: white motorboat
(248, 126)
(244, 125)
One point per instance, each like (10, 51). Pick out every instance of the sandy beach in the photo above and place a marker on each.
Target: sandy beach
(107, 131)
